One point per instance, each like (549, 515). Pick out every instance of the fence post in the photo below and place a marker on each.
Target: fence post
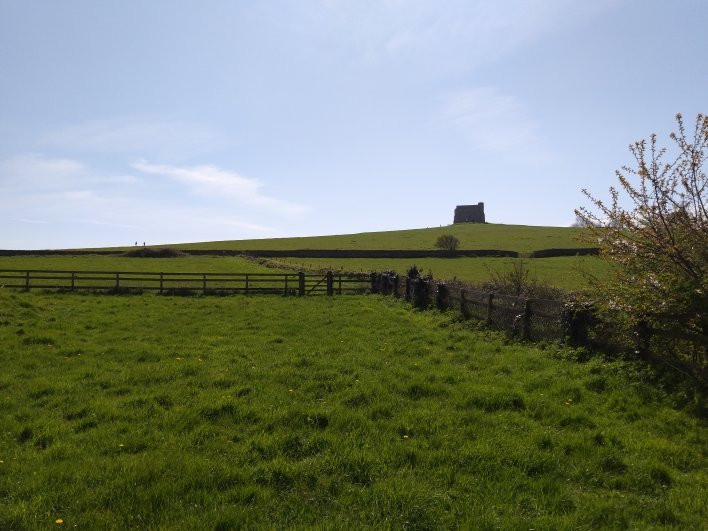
(301, 282)
(204, 283)
(161, 282)
(463, 305)
(442, 297)
(577, 319)
(339, 290)
(73, 280)
(490, 307)
(526, 320)
(246, 282)
(421, 295)
(330, 283)
(27, 282)
(117, 281)
(642, 334)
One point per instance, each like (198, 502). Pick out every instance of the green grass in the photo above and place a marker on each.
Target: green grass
(568, 273)
(138, 281)
(571, 273)
(520, 238)
(215, 413)
(189, 264)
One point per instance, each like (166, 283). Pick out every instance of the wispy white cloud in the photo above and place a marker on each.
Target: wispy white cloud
(46, 197)
(41, 171)
(32, 221)
(37, 173)
(450, 33)
(493, 121)
(136, 136)
(216, 182)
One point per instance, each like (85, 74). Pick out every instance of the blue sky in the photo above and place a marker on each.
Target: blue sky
(175, 121)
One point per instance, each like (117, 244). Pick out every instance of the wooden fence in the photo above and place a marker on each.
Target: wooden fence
(538, 319)
(519, 316)
(184, 283)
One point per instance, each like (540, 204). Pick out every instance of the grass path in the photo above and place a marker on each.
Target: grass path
(214, 413)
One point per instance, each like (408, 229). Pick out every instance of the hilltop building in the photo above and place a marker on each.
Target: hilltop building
(469, 213)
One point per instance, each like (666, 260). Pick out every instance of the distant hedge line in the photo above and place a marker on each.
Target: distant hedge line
(376, 253)
(581, 251)
(311, 253)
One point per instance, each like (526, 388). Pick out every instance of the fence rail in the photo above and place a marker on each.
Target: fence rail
(186, 282)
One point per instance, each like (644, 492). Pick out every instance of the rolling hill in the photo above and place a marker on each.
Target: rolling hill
(521, 238)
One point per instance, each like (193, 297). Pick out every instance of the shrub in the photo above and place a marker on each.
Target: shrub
(147, 252)
(447, 242)
(659, 242)
(517, 281)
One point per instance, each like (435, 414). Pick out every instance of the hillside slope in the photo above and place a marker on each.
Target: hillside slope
(521, 238)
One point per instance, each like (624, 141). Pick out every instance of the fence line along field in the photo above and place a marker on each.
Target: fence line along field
(569, 273)
(225, 412)
(185, 282)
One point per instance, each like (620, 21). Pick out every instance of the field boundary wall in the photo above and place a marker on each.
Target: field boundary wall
(321, 253)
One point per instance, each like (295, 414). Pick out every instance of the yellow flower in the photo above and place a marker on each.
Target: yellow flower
(59, 521)
(405, 436)
(121, 445)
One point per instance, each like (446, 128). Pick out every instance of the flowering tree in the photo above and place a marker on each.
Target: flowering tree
(659, 241)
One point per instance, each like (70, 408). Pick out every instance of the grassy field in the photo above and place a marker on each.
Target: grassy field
(190, 264)
(569, 273)
(520, 238)
(214, 413)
